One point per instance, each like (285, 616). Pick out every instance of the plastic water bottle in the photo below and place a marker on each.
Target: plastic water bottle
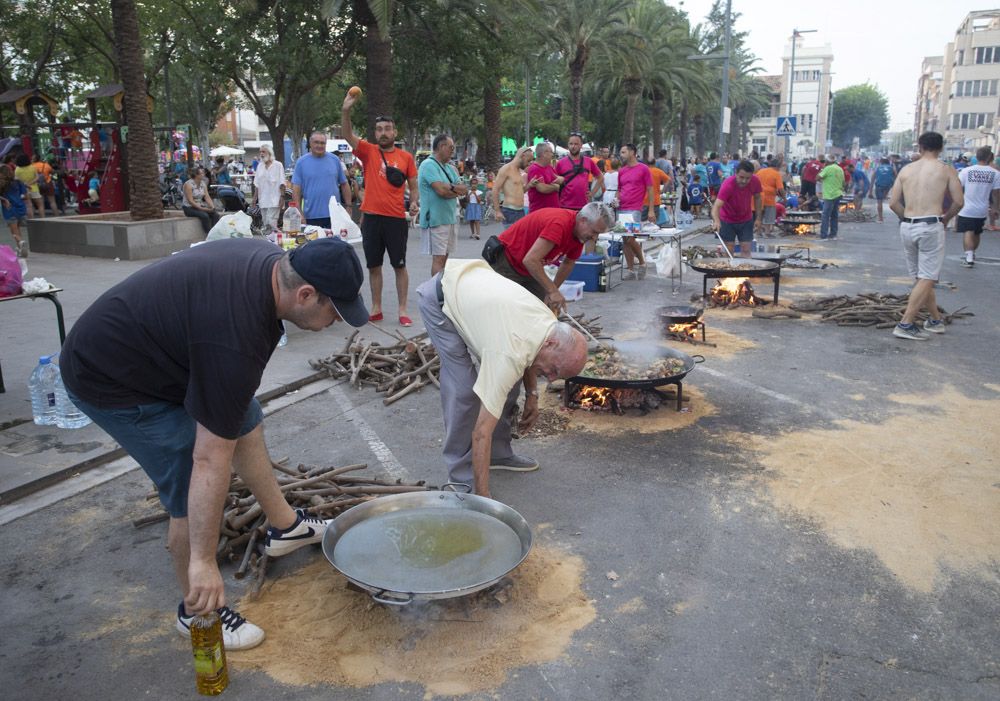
(293, 224)
(67, 413)
(283, 341)
(42, 388)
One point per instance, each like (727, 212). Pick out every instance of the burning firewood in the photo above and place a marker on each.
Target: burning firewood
(397, 369)
(731, 292)
(878, 309)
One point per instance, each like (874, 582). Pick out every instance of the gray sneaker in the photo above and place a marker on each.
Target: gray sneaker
(22, 249)
(515, 463)
(629, 275)
(910, 332)
(934, 326)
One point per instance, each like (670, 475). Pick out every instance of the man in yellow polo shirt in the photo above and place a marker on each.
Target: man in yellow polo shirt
(472, 312)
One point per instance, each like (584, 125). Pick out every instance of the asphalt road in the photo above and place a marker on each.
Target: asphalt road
(740, 599)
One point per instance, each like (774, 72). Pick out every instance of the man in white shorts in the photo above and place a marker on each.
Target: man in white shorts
(922, 185)
(981, 183)
(440, 186)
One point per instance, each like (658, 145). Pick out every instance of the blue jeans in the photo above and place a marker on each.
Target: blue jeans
(831, 218)
(160, 437)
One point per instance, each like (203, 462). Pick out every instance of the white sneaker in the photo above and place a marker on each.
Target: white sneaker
(306, 530)
(237, 632)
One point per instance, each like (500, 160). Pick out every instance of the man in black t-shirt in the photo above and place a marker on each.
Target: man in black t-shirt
(167, 363)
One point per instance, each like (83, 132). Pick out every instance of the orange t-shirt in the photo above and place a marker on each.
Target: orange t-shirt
(381, 197)
(770, 181)
(659, 180)
(44, 169)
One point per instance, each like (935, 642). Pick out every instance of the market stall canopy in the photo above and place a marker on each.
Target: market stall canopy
(226, 151)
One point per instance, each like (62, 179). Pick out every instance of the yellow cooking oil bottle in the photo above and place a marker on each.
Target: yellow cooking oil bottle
(211, 674)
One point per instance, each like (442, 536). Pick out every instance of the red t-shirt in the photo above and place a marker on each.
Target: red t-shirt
(381, 197)
(552, 224)
(811, 170)
(576, 192)
(847, 168)
(540, 200)
(738, 201)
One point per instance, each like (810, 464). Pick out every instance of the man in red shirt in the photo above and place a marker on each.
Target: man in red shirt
(384, 228)
(541, 181)
(808, 188)
(542, 238)
(577, 171)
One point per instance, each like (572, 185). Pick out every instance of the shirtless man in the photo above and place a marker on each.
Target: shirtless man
(511, 184)
(916, 198)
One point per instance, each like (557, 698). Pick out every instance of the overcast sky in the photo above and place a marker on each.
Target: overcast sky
(879, 41)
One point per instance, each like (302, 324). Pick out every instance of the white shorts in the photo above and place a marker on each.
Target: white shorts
(440, 240)
(923, 245)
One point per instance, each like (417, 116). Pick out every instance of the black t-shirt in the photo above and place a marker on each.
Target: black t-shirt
(195, 329)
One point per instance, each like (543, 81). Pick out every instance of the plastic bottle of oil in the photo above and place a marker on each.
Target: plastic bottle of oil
(211, 673)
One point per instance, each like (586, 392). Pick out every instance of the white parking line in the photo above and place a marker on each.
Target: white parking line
(377, 445)
(769, 392)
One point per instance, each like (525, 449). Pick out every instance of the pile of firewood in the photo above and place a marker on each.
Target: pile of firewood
(878, 309)
(396, 369)
(591, 325)
(324, 492)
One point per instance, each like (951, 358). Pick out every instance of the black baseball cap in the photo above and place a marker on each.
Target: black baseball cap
(332, 267)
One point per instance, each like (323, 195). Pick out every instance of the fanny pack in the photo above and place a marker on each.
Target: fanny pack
(394, 175)
(492, 249)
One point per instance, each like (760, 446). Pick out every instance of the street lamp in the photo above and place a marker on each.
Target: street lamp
(796, 33)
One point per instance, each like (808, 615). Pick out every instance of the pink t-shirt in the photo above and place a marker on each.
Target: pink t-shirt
(540, 200)
(738, 201)
(632, 184)
(576, 188)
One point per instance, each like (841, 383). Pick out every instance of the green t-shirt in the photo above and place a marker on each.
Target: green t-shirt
(832, 178)
(434, 209)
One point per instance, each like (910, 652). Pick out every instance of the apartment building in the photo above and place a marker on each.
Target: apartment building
(970, 84)
(808, 81)
(928, 113)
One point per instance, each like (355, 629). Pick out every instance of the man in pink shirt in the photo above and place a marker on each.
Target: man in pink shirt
(635, 184)
(542, 181)
(733, 212)
(576, 171)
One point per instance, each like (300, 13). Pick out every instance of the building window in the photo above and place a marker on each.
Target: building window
(987, 54)
(264, 136)
(975, 88)
(961, 57)
(972, 120)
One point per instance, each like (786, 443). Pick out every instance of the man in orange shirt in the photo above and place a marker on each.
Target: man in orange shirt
(384, 229)
(660, 180)
(45, 185)
(772, 184)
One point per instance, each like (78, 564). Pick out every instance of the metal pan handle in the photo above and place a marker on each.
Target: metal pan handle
(696, 357)
(466, 488)
(390, 601)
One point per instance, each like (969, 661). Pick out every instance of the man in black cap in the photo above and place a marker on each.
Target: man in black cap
(167, 362)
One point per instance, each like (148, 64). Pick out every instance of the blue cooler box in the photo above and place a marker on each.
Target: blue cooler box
(587, 270)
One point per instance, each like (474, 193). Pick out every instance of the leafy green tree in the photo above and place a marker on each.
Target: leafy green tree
(860, 111)
(574, 28)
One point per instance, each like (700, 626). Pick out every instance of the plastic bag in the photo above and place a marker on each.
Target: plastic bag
(231, 226)
(340, 221)
(10, 273)
(666, 261)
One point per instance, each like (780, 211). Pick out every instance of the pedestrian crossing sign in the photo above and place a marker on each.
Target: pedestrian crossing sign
(786, 126)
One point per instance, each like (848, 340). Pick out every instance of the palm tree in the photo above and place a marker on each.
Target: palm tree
(143, 170)
(575, 27)
(673, 76)
(620, 66)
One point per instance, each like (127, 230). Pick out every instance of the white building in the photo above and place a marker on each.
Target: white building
(808, 83)
(762, 137)
(971, 84)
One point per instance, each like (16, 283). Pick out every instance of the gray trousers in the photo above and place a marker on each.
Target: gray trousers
(459, 403)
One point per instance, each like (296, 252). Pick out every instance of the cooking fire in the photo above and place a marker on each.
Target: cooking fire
(616, 401)
(734, 292)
